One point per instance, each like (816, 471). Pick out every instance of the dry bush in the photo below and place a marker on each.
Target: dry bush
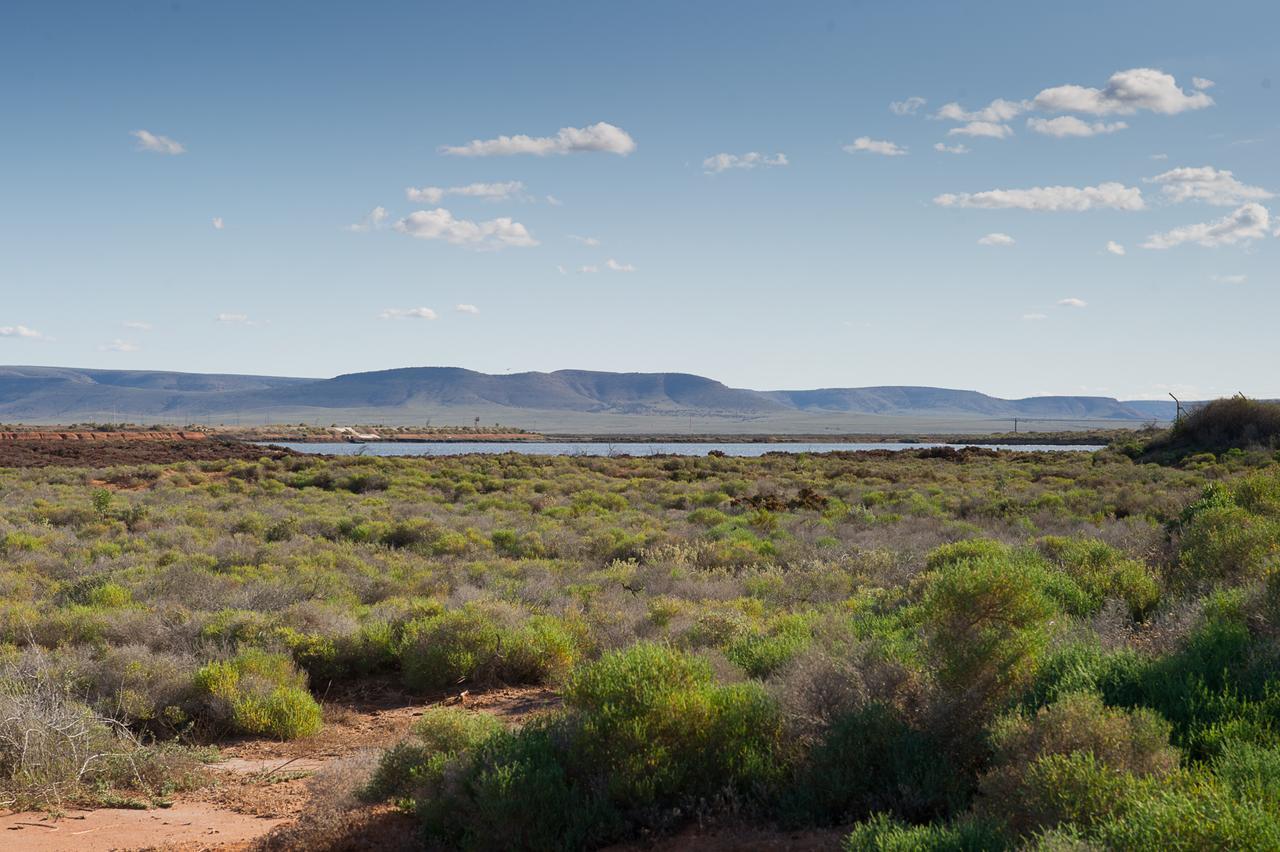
(1221, 425)
(52, 747)
(1134, 741)
(1120, 742)
(336, 819)
(838, 676)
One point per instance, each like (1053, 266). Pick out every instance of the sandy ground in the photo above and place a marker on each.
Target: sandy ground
(185, 825)
(263, 785)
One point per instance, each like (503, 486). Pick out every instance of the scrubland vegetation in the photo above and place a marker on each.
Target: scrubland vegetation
(1220, 426)
(933, 650)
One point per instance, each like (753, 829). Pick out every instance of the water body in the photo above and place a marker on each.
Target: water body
(625, 448)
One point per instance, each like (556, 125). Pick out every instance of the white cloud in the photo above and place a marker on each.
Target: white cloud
(1228, 279)
(619, 267)
(1125, 93)
(217, 223)
(588, 269)
(1115, 248)
(407, 313)
(554, 202)
(988, 129)
(997, 111)
(601, 136)
(1116, 196)
(118, 345)
(1202, 83)
(376, 219)
(910, 106)
(467, 309)
(560, 268)
(717, 163)
(950, 149)
(1069, 125)
(586, 241)
(996, 239)
(1033, 317)
(875, 146)
(21, 331)
(234, 319)
(487, 191)
(440, 224)
(1249, 222)
(1072, 303)
(1213, 186)
(137, 325)
(148, 141)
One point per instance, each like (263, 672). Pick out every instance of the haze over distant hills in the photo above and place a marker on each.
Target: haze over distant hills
(565, 400)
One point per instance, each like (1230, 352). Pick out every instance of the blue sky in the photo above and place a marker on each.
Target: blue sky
(626, 243)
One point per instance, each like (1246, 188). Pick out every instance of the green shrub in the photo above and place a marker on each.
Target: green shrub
(286, 713)
(871, 761)
(1220, 685)
(515, 792)
(762, 654)
(1227, 543)
(645, 734)
(1103, 572)
(1259, 493)
(1130, 742)
(986, 623)
(470, 645)
(448, 649)
(316, 655)
(651, 718)
(1134, 741)
(408, 533)
(1202, 817)
(101, 501)
(439, 736)
(882, 833)
(256, 692)
(646, 714)
(237, 627)
(948, 555)
(109, 596)
(1116, 810)
(543, 649)
(506, 542)
(1219, 426)
(20, 542)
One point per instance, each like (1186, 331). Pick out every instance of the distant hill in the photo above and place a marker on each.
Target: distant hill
(1157, 409)
(568, 400)
(919, 400)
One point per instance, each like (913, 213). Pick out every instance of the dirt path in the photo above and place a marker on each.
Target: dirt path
(185, 826)
(263, 785)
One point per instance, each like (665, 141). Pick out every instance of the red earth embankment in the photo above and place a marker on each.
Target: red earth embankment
(106, 449)
(102, 436)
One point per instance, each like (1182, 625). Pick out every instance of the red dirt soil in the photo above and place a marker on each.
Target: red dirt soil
(95, 452)
(102, 436)
(264, 786)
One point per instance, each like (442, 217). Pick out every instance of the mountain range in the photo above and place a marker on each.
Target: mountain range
(564, 400)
